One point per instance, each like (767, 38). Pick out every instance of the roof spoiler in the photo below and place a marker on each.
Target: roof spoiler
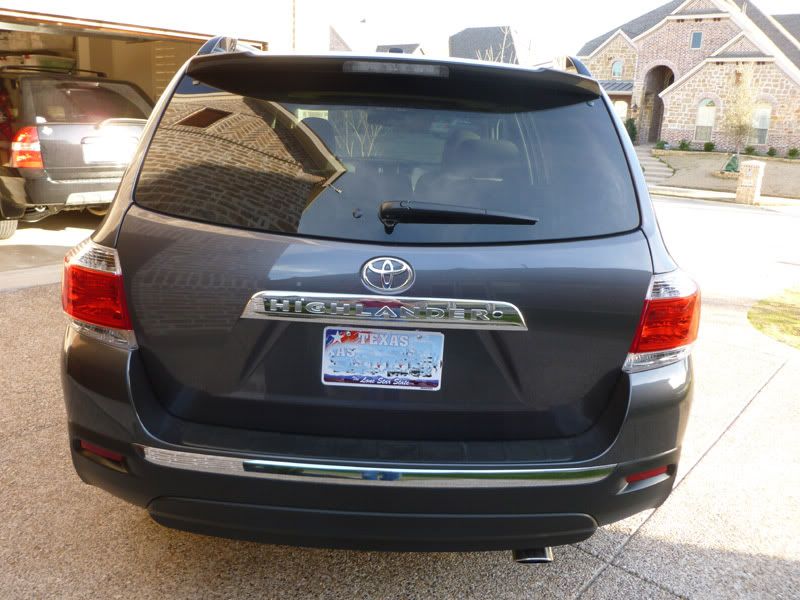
(225, 45)
(580, 68)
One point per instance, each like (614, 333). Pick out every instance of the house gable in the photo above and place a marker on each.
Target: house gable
(740, 46)
(696, 7)
(617, 48)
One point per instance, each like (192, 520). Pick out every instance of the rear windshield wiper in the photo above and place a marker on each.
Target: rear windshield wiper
(409, 211)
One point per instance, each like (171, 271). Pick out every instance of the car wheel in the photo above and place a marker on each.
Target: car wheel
(98, 211)
(7, 229)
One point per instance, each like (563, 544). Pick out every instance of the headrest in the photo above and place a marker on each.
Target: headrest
(323, 129)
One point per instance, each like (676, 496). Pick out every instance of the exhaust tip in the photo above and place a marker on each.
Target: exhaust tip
(531, 556)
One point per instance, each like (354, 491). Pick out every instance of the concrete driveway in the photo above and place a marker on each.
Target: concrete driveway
(35, 252)
(731, 529)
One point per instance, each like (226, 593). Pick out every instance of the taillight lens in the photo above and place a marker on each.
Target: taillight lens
(93, 295)
(668, 325)
(26, 152)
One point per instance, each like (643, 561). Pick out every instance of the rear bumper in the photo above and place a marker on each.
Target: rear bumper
(20, 193)
(213, 489)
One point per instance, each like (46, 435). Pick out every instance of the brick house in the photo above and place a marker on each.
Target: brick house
(676, 71)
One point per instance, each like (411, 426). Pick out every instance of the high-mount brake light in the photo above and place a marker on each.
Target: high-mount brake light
(26, 152)
(668, 325)
(395, 68)
(93, 296)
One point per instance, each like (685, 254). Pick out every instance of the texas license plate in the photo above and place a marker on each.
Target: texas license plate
(382, 358)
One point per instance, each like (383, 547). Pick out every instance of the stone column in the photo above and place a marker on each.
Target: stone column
(751, 176)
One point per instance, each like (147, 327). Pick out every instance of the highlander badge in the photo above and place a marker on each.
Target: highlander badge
(432, 313)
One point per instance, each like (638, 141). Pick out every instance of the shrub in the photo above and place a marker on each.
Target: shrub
(772, 151)
(630, 127)
(684, 145)
(661, 144)
(793, 152)
(750, 150)
(709, 147)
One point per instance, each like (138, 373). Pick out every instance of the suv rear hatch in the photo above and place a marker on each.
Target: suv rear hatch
(87, 128)
(257, 218)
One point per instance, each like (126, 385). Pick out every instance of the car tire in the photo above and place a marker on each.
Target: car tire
(7, 229)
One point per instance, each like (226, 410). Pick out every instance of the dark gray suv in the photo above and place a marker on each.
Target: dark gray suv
(380, 302)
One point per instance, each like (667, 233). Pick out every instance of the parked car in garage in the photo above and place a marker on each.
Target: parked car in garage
(380, 302)
(65, 139)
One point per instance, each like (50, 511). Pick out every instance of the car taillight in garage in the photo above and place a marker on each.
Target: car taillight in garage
(26, 152)
(668, 325)
(93, 295)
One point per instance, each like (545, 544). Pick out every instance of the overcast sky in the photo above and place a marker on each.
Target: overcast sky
(555, 27)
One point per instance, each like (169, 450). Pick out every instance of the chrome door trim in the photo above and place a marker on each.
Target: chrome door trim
(373, 475)
(392, 311)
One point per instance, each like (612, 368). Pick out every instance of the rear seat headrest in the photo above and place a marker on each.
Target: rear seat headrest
(482, 154)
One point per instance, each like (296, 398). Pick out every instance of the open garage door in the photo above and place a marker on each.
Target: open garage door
(145, 56)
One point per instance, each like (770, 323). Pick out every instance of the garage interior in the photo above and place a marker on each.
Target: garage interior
(146, 56)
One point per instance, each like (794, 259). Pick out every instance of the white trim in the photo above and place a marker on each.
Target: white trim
(687, 2)
(784, 31)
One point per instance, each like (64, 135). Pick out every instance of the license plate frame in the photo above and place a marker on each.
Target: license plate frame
(399, 359)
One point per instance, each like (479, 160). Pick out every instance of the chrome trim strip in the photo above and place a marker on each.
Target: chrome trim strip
(392, 311)
(372, 475)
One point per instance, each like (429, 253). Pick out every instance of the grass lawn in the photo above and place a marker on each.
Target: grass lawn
(779, 317)
(696, 170)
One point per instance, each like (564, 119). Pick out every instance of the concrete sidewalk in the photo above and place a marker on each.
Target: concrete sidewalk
(694, 194)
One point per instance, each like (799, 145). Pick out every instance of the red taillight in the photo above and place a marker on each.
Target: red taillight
(668, 324)
(642, 475)
(93, 295)
(26, 152)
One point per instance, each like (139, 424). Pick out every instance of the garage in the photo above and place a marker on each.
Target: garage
(130, 63)
(146, 56)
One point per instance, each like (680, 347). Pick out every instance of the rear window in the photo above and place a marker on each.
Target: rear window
(65, 101)
(322, 167)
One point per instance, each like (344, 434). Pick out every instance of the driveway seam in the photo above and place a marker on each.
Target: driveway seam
(611, 562)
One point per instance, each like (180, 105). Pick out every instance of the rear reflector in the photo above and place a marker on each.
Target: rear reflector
(102, 452)
(668, 324)
(93, 295)
(26, 152)
(641, 476)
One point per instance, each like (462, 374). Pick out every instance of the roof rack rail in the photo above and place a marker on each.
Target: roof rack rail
(36, 69)
(579, 66)
(223, 45)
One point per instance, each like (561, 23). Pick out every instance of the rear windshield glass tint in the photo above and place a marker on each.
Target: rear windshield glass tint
(64, 101)
(323, 169)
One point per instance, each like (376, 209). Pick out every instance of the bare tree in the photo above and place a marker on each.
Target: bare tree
(353, 127)
(494, 54)
(738, 118)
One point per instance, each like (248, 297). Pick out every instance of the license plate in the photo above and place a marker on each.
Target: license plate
(113, 149)
(382, 358)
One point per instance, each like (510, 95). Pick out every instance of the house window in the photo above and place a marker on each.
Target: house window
(617, 68)
(621, 108)
(760, 128)
(704, 126)
(697, 39)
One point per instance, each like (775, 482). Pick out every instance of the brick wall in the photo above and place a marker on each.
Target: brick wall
(769, 84)
(245, 169)
(617, 49)
(670, 45)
